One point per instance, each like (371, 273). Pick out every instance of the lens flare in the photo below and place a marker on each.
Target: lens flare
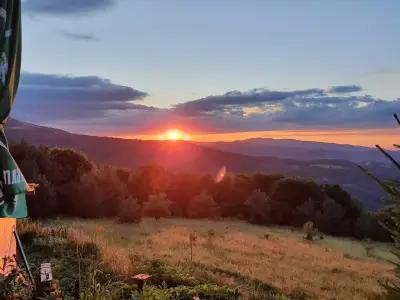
(220, 175)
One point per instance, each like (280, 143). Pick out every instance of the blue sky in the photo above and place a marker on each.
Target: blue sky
(181, 51)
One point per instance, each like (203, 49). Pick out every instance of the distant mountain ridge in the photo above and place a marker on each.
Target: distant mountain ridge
(201, 157)
(301, 150)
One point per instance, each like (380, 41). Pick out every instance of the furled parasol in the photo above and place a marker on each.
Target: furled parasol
(13, 186)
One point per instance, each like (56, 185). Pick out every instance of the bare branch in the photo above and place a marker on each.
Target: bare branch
(388, 156)
(397, 118)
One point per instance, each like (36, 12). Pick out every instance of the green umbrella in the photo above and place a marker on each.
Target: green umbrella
(13, 185)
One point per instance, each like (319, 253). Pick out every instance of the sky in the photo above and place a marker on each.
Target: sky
(217, 69)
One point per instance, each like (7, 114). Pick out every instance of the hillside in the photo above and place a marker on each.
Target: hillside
(261, 262)
(189, 156)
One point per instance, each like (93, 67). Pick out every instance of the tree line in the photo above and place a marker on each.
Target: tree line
(73, 185)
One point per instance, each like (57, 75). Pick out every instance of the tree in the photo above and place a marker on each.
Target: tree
(353, 208)
(129, 211)
(231, 194)
(203, 206)
(390, 216)
(288, 193)
(258, 205)
(157, 206)
(183, 187)
(67, 165)
(304, 212)
(148, 180)
(368, 226)
(265, 182)
(331, 219)
(108, 189)
(45, 202)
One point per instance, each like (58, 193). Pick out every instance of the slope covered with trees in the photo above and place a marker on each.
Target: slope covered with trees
(191, 157)
(72, 185)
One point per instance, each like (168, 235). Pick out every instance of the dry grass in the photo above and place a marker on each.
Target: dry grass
(328, 269)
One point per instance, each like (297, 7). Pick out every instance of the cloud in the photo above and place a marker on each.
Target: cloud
(235, 100)
(96, 105)
(66, 7)
(344, 89)
(79, 36)
(58, 97)
(260, 109)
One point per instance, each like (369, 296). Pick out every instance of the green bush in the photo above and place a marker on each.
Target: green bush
(163, 274)
(101, 286)
(129, 211)
(205, 291)
(12, 288)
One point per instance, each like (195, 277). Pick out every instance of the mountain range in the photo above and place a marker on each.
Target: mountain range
(325, 163)
(301, 150)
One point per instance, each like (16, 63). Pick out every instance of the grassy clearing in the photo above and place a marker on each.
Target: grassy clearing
(239, 254)
(105, 270)
(131, 235)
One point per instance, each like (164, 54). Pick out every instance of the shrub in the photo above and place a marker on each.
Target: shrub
(368, 226)
(157, 207)
(205, 291)
(14, 286)
(309, 230)
(203, 206)
(167, 275)
(101, 286)
(129, 211)
(258, 205)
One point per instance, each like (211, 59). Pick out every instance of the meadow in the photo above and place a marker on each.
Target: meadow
(254, 259)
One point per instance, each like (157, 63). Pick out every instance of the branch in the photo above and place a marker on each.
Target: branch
(397, 118)
(383, 185)
(389, 156)
(370, 174)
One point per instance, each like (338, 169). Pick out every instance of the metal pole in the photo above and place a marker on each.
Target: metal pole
(21, 250)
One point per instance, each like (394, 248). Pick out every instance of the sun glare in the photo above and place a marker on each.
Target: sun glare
(174, 135)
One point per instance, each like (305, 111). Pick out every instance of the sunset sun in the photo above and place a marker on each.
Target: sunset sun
(174, 135)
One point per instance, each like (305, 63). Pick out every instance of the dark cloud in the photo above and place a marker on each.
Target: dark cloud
(236, 100)
(79, 36)
(84, 88)
(344, 89)
(310, 108)
(66, 7)
(56, 97)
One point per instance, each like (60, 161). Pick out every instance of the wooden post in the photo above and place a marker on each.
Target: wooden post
(21, 250)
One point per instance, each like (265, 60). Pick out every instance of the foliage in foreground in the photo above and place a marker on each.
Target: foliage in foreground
(390, 216)
(13, 287)
(76, 260)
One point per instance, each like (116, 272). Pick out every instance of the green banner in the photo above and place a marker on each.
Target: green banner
(12, 183)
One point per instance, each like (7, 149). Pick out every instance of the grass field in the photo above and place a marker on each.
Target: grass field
(240, 254)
